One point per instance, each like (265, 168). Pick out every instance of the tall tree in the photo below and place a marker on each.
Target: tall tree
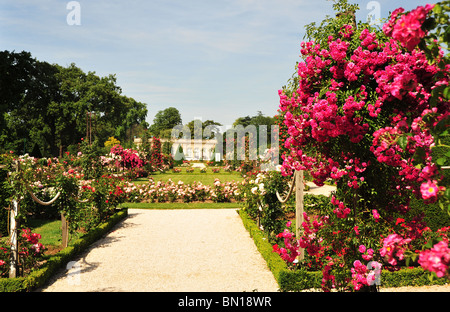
(46, 105)
(165, 120)
(212, 125)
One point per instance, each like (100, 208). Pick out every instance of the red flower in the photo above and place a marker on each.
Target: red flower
(408, 28)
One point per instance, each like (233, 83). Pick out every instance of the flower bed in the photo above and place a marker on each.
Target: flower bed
(53, 263)
(180, 192)
(302, 279)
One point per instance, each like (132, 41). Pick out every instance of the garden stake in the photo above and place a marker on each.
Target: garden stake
(297, 180)
(14, 258)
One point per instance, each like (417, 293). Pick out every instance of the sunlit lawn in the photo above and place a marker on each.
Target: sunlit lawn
(50, 230)
(51, 234)
(196, 176)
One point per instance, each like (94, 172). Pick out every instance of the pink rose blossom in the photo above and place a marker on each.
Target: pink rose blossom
(437, 259)
(408, 28)
(429, 190)
(376, 215)
(393, 248)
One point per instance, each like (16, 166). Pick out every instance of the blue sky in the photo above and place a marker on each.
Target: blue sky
(214, 59)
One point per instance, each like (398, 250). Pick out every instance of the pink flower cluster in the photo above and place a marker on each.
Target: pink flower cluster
(436, 259)
(362, 276)
(128, 157)
(290, 251)
(408, 28)
(367, 254)
(328, 279)
(310, 240)
(33, 239)
(375, 215)
(394, 247)
(341, 210)
(382, 76)
(324, 118)
(422, 181)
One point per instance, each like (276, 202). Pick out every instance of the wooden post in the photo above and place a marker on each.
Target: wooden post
(65, 231)
(87, 126)
(299, 207)
(14, 257)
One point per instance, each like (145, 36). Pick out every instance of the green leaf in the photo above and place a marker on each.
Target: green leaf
(447, 93)
(441, 161)
(403, 141)
(437, 9)
(447, 192)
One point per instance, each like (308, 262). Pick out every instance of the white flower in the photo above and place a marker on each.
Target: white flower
(261, 189)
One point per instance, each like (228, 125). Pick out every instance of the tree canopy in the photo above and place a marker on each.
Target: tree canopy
(165, 120)
(46, 106)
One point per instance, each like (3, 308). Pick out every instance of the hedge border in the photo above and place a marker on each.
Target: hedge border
(301, 279)
(40, 277)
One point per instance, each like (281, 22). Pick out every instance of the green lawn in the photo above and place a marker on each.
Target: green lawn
(50, 230)
(196, 176)
(51, 234)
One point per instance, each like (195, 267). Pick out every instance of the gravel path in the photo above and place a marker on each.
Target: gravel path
(170, 251)
(188, 250)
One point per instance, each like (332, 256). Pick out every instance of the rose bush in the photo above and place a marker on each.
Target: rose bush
(260, 200)
(290, 251)
(30, 252)
(127, 158)
(171, 191)
(46, 177)
(363, 112)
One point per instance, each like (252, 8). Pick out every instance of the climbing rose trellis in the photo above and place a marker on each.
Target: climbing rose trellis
(362, 113)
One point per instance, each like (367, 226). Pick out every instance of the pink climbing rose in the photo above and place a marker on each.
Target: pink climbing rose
(436, 259)
(376, 215)
(408, 28)
(393, 248)
(429, 190)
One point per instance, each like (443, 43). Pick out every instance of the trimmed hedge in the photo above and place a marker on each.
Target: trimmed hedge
(302, 279)
(39, 278)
